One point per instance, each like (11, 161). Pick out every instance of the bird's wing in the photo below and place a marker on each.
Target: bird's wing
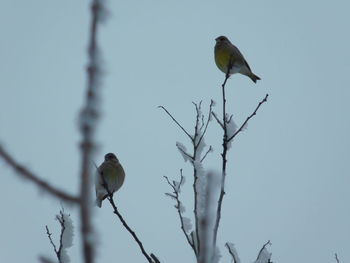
(240, 57)
(237, 54)
(246, 63)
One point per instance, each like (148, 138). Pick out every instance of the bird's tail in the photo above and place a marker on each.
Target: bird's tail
(253, 77)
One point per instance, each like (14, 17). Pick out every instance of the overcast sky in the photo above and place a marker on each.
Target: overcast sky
(288, 173)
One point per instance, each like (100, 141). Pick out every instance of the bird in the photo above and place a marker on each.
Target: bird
(109, 174)
(228, 55)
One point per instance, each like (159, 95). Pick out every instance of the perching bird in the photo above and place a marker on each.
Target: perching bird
(226, 54)
(110, 174)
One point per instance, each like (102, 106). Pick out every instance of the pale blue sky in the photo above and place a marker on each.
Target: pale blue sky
(288, 174)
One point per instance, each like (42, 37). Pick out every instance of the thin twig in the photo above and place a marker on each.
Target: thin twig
(249, 117)
(42, 184)
(198, 117)
(336, 257)
(58, 251)
(185, 153)
(205, 155)
(207, 123)
(263, 247)
(177, 206)
(60, 219)
(52, 243)
(178, 124)
(235, 260)
(133, 234)
(217, 119)
(200, 130)
(223, 155)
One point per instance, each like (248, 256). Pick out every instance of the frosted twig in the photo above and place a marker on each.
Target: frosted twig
(60, 253)
(207, 122)
(205, 221)
(185, 153)
(178, 124)
(42, 184)
(262, 249)
(233, 255)
(61, 219)
(52, 243)
(88, 118)
(198, 118)
(249, 117)
(200, 129)
(178, 205)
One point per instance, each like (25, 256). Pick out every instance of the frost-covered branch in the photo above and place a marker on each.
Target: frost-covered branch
(52, 243)
(208, 253)
(42, 184)
(66, 237)
(151, 258)
(185, 222)
(264, 255)
(88, 123)
(233, 252)
(195, 158)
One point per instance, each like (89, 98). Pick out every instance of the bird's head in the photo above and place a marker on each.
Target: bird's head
(221, 39)
(110, 157)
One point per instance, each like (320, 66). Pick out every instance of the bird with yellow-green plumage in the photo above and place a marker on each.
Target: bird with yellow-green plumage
(228, 55)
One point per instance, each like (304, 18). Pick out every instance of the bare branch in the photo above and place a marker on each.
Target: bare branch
(133, 234)
(223, 155)
(249, 117)
(52, 243)
(178, 124)
(205, 155)
(42, 184)
(156, 260)
(217, 119)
